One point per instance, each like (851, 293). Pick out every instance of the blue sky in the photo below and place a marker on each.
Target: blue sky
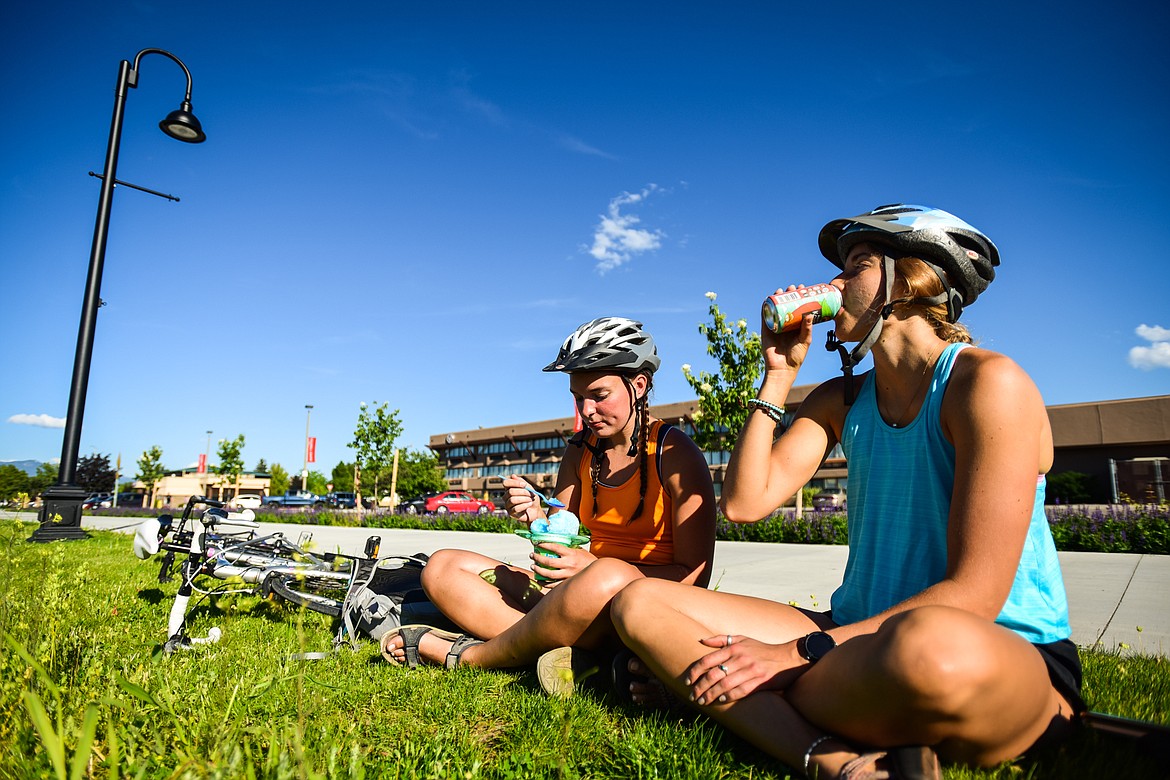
(414, 202)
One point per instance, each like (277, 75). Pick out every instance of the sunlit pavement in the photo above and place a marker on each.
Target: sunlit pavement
(1115, 599)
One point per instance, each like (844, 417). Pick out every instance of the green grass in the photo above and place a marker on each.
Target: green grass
(86, 692)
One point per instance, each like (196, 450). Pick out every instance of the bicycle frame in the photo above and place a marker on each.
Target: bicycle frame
(223, 555)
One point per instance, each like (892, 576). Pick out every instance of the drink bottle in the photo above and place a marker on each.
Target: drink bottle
(784, 311)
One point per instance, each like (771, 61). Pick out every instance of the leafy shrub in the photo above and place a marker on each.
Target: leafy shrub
(1116, 528)
(1130, 529)
(812, 528)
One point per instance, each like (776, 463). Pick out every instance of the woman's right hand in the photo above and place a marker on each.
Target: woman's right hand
(740, 666)
(787, 350)
(520, 502)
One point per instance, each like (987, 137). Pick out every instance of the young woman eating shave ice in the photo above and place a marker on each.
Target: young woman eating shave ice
(949, 634)
(641, 487)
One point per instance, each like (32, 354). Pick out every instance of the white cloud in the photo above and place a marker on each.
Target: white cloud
(617, 238)
(39, 420)
(1149, 358)
(1153, 332)
(1157, 355)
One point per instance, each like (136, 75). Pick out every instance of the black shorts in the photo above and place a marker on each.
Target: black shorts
(1064, 670)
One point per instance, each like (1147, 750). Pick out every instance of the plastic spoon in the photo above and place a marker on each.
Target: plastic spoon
(552, 502)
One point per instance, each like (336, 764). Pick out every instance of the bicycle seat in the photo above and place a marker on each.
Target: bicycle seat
(245, 518)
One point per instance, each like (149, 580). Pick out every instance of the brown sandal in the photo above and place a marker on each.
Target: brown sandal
(903, 763)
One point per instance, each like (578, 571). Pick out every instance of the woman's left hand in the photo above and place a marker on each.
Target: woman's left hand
(571, 561)
(742, 666)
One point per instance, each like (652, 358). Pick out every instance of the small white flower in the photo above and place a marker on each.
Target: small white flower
(705, 388)
(686, 367)
(710, 296)
(741, 324)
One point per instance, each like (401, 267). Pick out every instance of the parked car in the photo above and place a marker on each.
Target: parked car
(303, 498)
(248, 501)
(830, 498)
(132, 499)
(446, 502)
(95, 500)
(338, 500)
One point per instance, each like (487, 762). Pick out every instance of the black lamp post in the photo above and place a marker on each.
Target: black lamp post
(60, 515)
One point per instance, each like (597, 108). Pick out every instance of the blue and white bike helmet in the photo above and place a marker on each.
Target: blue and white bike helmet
(963, 257)
(938, 238)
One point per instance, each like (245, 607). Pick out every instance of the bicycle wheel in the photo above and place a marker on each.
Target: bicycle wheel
(320, 591)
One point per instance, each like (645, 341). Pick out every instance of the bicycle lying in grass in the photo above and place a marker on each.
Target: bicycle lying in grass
(222, 545)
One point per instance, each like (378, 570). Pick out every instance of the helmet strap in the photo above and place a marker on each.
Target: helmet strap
(852, 358)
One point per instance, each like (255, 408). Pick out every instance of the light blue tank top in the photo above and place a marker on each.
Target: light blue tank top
(899, 497)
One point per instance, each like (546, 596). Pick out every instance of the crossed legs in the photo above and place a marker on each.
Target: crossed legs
(518, 620)
(936, 676)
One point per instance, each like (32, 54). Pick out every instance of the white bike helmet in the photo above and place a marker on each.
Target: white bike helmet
(614, 343)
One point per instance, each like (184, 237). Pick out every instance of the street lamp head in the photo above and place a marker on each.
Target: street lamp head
(182, 125)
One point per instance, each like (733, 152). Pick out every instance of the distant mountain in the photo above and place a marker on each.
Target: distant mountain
(27, 466)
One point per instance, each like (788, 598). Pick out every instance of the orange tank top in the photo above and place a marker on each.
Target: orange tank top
(650, 538)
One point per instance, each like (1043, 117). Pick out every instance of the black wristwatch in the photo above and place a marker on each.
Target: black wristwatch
(815, 646)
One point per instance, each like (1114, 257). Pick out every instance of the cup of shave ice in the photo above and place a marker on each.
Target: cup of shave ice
(785, 311)
(560, 528)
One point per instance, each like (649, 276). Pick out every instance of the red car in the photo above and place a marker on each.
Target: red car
(445, 502)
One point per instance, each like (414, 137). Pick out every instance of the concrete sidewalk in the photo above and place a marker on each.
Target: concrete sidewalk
(1115, 599)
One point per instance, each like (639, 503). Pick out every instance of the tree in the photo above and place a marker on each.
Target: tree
(13, 482)
(46, 475)
(343, 477)
(231, 460)
(261, 467)
(95, 474)
(419, 472)
(317, 483)
(279, 484)
(723, 396)
(373, 443)
(151, 471)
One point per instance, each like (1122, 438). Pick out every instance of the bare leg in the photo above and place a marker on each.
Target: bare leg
(663, 623)
(977, 692)
(935, 676)
(576, 613)
(453, 580)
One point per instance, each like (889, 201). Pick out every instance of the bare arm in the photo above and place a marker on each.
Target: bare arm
(762, 475)
(687, 481)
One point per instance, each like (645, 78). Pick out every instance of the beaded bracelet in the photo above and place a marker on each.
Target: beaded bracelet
(775, 413)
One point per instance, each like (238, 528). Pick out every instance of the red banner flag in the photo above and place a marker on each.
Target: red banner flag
(311, 452)
(202, 463)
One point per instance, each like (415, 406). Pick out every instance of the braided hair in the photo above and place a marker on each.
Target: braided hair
(639, 445)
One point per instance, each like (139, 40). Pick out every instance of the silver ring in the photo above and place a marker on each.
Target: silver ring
(729, 640)
(723, 668)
